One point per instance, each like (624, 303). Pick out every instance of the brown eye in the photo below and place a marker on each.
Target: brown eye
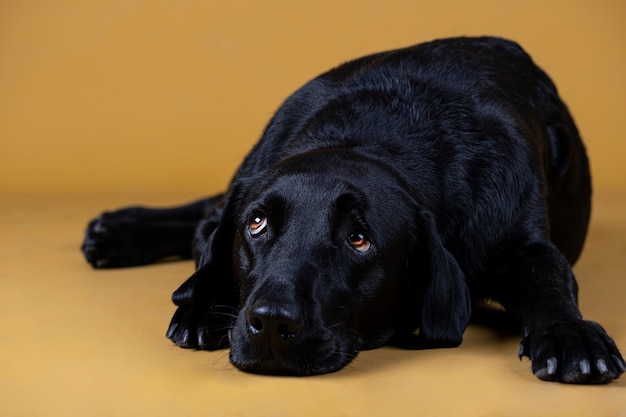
(257, 224)
(359, 241)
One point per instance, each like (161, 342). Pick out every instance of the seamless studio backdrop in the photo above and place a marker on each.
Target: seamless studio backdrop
(166, 95)
(109, 103)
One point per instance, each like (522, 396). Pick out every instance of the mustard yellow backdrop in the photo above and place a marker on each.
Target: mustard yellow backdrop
(113, 102)
(148, 95)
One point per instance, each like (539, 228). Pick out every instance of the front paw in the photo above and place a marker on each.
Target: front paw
(578, 352)
(195, 328)
(114, 240)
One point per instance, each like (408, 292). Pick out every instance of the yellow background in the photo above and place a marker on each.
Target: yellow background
(148, 95)
(113, 102)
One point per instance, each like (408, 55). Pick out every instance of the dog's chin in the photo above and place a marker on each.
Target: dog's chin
(312, 357)
(281, 366)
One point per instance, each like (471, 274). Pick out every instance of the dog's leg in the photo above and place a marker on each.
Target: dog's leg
(538, 285)
(139, 235)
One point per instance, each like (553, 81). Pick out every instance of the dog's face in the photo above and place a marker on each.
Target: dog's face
(320, 263)
(323, 255)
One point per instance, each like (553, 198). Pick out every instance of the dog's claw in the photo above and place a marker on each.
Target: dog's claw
(99, 228)
(548, 373)
(101, 263)
(171, 330)
(551, 366)
(585, 367)
(184, 339)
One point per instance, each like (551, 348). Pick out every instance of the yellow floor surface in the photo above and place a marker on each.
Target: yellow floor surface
(80, 342)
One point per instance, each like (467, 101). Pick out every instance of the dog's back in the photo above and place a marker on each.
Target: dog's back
(447, 91)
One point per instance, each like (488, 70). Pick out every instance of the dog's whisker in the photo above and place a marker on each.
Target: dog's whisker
(222, 313)
(332, 326)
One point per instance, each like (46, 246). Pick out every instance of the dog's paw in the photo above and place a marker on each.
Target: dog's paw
(192, 327)
(578, 352)
(114, 239)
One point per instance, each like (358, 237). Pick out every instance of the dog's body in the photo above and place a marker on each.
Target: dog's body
(386, 196)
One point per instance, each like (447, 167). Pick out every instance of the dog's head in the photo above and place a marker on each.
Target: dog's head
(331, 254)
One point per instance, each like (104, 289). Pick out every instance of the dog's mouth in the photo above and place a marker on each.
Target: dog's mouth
(330, 359)
(277, 346)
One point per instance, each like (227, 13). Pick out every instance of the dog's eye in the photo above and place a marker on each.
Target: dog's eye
(257, 224)
(359, 241)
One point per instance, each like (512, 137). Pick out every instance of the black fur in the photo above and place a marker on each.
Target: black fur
(387, 196)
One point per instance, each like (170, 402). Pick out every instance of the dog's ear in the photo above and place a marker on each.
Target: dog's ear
(445, 306)
(213, 279)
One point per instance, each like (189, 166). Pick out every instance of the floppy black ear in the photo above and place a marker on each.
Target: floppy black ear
(213, 279)
(446, 306)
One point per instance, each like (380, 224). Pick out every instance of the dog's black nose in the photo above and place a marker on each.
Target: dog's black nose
(274, 324)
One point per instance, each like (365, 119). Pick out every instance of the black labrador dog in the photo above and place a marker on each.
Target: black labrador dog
(385, 198)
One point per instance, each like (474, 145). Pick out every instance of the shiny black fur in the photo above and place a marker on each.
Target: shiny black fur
(384, 199)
